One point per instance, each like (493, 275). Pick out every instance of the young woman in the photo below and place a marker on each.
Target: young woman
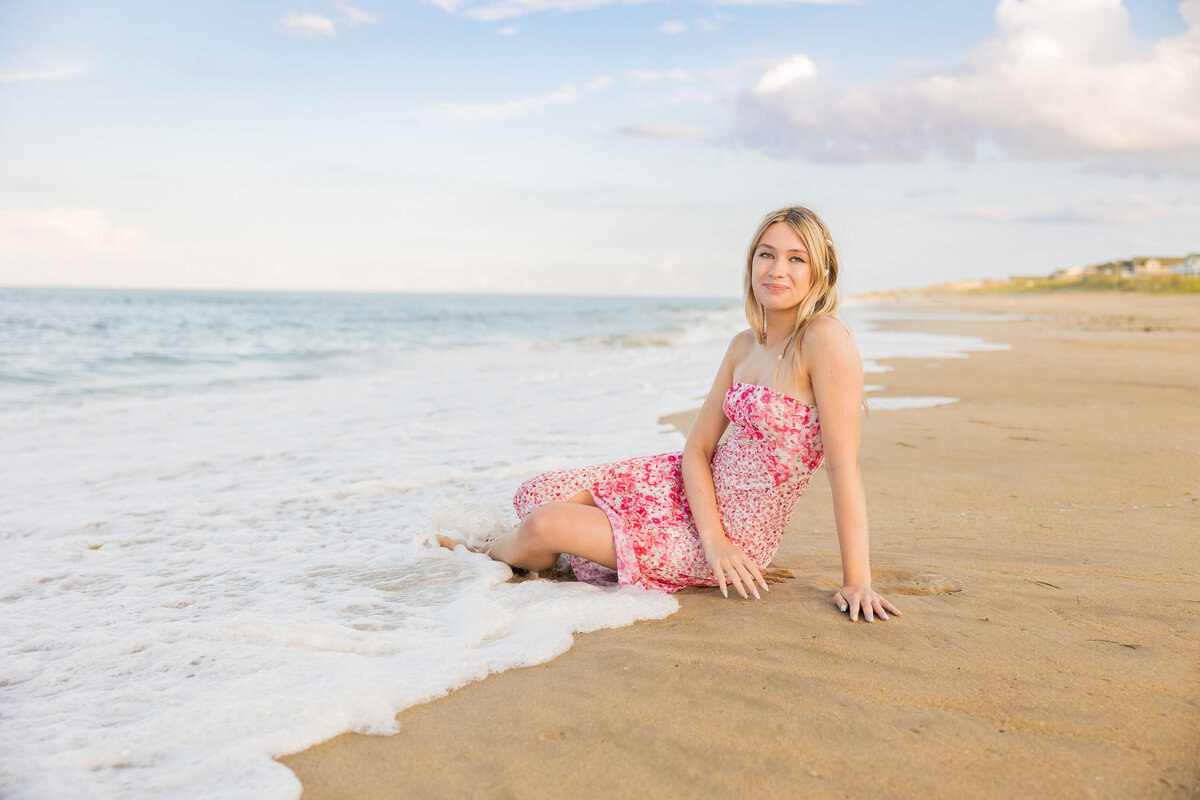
(791, 387)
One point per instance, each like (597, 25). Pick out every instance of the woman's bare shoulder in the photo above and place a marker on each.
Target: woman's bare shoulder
(828, 341)
(826, 331)
(741, 343)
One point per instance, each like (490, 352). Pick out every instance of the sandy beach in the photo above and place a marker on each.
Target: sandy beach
(1040, 536)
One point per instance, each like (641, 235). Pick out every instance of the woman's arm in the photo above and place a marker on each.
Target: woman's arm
(835, 370)
(725, 558)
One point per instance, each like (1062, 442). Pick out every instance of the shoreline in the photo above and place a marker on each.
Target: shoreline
(1039, 536)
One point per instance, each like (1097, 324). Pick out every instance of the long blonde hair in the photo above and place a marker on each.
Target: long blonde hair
(822, 297)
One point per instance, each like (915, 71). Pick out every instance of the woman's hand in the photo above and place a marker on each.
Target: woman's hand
(856, 596)
(727, 559)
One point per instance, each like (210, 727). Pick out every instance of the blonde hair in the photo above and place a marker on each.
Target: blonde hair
(822, 297)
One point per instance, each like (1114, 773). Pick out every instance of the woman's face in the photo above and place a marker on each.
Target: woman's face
(782, 271)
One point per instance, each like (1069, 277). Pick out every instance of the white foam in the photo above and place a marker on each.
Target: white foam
(894, 403)
(875, 344)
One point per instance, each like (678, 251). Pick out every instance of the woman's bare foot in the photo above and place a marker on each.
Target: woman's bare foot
(450, 543)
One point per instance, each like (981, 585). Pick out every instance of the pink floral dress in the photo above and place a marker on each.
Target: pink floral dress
(759, 473)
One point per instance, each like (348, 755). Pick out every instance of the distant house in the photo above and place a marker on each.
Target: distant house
(1135, 267)
(1125, 267)
(1069, 273)
(1190, 265)
(1153, 265)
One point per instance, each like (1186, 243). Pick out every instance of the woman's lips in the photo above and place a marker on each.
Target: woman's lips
(775, 287)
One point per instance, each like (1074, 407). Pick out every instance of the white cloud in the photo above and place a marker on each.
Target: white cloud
(493, 10)
(507, 30)
(56, 233)
(354, 15)
(673, 26)
(1058, 79)
(796, 68)
(308, 25)
(449, 112)
(53, 73)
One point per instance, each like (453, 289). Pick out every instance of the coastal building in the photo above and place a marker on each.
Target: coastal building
(1134, 268)
(1123, 268)
(1137, 266)
(1149, 265)
(1189, 265)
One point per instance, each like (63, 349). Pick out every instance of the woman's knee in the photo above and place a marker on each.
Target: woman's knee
(538, 526)
(569, 528)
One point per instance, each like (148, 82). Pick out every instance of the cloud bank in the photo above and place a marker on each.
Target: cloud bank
(1059, 79)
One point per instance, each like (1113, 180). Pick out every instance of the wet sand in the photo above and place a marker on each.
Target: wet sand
(1041, 536)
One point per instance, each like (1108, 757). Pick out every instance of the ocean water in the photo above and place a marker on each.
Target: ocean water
(213, 507)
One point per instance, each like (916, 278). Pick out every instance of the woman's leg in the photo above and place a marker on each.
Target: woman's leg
(576, 526)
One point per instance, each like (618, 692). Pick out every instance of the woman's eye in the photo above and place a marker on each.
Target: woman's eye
(798, 258)
(764, 253)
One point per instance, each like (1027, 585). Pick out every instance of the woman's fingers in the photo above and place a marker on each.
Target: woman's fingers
(750, 582)
(758, 574)
(878, 603)
(746, 568)
(869, 603)
(737, 579)
(742, 573)
(741, 578)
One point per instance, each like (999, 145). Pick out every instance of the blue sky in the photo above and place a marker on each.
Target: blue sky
(554, 146)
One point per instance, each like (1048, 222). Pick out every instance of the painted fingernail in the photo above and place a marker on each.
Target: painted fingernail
(723, 592)
(883, 614)
(870, 618)
(768, 588)
(842, 607)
